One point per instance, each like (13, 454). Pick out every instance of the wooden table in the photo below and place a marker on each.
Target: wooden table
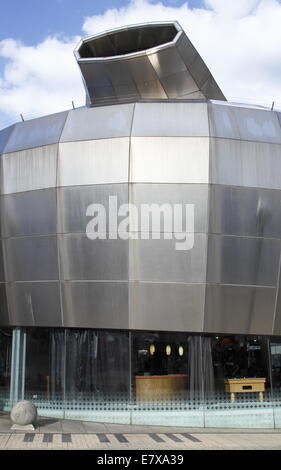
(245, 385)
(159, 387)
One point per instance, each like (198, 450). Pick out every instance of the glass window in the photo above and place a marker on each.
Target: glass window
(97, 364)
(166, 366)
(5, 362)
(44, 371)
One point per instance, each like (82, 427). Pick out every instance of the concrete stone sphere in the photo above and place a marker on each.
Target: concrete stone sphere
(23, 413)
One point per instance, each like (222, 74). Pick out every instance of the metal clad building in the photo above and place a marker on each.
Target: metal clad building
(156, 129)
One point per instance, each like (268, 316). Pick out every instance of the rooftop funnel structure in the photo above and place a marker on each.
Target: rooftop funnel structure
(144, 61)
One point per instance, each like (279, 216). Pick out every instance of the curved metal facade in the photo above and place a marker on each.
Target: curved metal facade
(224, 159)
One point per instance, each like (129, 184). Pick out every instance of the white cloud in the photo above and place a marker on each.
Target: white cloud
(239, 40)
(39, 79)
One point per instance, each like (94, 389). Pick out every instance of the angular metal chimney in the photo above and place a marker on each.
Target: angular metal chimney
(144, 61)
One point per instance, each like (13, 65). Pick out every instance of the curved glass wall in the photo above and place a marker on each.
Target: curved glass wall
(5, 366)
(145, 377)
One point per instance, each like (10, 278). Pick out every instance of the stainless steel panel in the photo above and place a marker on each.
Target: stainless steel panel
(34, 304)
(95, 304)
(145, 78)
(82, 258)
(187, 51)
(166, 306)
(31, 258)
(98, 82)
(199, 71)
(241, 163)
(36, 132)
(4, 314)
(180, 85)
(169, 160)
(277, 322)
(29, 170)
(29, 213)
(94, 162)
(166, 62)
(5, 135)
(195, 194)
(74, 201)
(98, 123)
(2, 269)
(122, 80)
(244, 123)
(236, 260)
(144, 62)
(259, 125)
(158, 260)
(245, 211)
(237, 309)
(170, 120)
(223, 121)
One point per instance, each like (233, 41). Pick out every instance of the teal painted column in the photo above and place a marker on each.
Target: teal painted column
(18, 366)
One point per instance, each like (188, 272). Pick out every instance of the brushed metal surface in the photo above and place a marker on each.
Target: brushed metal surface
(95, 304)
(30, 169)
(4, 314)
(2, 266)
(31, 258)
(166, 306)
(241, 260)
(98, 123)
(170, 120)
(241, 163)
(5, 135)
(277, 321)
(37, 132)
(245, 211)
(29, 213)
(158, 61)
(82, 258)
(158, 260)
(169, 160)
(93, 162)
(196, 194)
(223, 121)
(73, 203)
(34, 304)
(243, 123)
(237, 309)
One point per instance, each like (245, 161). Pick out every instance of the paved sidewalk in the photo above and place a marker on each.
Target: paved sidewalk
(52, 433)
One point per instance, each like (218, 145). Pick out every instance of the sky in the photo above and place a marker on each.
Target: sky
(240, 41)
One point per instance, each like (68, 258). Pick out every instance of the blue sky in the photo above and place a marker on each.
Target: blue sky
(32, 20)
(239, 40)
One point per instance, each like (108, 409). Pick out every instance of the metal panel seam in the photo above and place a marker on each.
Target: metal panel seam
(276, 294)
(129, 200)
(208, 215)
(57, 228)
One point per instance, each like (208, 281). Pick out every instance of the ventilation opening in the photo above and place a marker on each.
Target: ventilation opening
(128, 41)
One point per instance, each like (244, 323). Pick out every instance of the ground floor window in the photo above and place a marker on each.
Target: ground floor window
(144, 376)
(5, 361)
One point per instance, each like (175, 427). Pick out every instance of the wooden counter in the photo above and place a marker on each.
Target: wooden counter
(246, 385)
(159, 387)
